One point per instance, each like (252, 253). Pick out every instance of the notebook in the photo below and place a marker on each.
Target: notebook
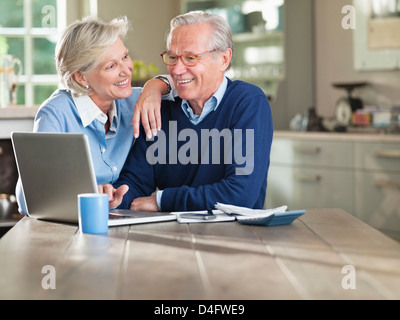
(54, 168)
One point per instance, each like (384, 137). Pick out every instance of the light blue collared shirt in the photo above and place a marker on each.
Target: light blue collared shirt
(63, 112)
(210, 105)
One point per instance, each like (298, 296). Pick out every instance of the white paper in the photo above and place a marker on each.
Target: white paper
(246, 213)
(227, 212)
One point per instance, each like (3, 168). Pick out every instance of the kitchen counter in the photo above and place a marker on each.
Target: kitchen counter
(325, 254)
(18, 112)
(358, 172)
(16, 118)
(335, 136)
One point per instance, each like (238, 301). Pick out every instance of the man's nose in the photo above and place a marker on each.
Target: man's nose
(179, 68)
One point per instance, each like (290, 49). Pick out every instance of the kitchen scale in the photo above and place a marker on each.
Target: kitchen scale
(345, 106)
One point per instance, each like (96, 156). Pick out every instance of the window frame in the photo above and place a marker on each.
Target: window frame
(29, 34)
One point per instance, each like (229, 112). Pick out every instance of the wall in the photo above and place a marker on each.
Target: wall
(150, 22)
(147, 40)
(318, 52)
(296, 92)
(334, 62)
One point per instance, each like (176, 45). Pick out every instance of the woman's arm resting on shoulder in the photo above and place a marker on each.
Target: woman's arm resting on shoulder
(147, 108)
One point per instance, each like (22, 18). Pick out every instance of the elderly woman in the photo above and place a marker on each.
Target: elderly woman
(96, 69)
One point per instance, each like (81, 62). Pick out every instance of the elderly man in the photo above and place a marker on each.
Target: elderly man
(216, 137)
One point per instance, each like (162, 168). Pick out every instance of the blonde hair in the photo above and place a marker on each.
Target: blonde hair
(83, 46)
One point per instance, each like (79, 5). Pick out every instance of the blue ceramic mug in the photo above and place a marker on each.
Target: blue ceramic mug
(93, 212)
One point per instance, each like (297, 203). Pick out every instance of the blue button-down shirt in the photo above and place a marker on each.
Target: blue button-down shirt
(64, 113)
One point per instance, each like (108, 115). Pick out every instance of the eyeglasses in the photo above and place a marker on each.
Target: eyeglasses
(189, 60)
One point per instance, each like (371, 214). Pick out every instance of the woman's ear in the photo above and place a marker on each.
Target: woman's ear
(80, 78)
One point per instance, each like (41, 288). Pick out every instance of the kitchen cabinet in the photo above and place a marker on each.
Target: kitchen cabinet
(258, 37)
(16, 118)
(377, 182)
(358, 173)
(13, 118)
(310, 174)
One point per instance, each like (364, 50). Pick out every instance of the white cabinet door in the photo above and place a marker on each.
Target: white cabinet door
(377, 156)
(304, 188)
(377, 186)
(311, 174)
(377, 200)
(9, 125)
(312, 153)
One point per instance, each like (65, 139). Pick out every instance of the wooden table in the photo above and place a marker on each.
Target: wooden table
(322, 255)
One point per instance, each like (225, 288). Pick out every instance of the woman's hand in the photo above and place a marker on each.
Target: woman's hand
(147, 108)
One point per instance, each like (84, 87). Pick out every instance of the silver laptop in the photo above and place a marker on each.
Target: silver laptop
(54, 168)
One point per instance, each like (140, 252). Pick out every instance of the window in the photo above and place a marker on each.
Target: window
(29, 30)
(376, 35)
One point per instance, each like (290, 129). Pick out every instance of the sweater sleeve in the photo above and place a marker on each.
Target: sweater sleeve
(244, 182)
(137, 173)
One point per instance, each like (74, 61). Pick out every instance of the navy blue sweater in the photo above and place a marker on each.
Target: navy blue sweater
(224, 158)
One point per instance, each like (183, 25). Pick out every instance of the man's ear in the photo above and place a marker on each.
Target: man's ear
(80, 78)
(226, 58)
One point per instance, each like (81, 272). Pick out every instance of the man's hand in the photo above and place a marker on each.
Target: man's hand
(145, 204)
(147, 108)
(114, 195)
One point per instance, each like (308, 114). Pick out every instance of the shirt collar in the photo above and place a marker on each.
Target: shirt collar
(112, 113)
(219, 94)
(89, 111)
(210, 105)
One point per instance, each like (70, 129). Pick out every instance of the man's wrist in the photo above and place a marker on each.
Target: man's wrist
(166, 81)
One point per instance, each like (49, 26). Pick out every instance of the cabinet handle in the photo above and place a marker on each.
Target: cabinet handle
(389, 154)
(384, 184)
(306, 150)
(302, 177)
(1, 151)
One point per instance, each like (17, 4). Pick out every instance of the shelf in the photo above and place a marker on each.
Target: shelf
(189, 5)
(261, 79)
(259, 73)
(258, 36)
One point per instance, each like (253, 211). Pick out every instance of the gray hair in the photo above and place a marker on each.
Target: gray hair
(83, 46)
(222, 35)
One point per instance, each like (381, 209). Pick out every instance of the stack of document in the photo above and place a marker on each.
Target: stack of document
(243, 213)
(225, 213)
